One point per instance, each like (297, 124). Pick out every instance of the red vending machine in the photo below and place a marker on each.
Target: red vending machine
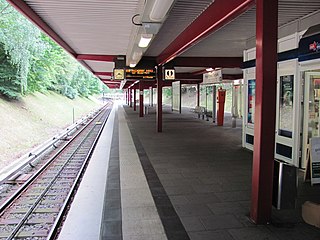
(220, 111)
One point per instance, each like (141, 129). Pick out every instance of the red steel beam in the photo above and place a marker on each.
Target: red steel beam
(22, 7)
(200, 72)
(206, 62)
(93, 57)
(188, 76)
(232, 76)
(103, 73)
(218, 14)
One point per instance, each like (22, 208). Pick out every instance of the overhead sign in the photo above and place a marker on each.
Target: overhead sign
(309, 47)
(169, 74)
(147, 74)
(212, 77)
(118, 74)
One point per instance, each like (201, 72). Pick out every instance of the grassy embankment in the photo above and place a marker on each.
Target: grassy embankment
(26, 123)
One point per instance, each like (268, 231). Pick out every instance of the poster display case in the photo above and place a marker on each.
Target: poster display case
(251, 99)
(286, 106)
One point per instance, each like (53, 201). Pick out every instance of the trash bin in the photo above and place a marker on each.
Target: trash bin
(285, 184)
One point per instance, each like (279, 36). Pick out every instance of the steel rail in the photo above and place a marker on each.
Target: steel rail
(18, 192)
(59, 219)
(48, 187)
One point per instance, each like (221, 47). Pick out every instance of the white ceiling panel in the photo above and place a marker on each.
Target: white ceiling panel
(100, 66)
(90, 27)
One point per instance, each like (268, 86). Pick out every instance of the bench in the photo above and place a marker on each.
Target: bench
(201, 111)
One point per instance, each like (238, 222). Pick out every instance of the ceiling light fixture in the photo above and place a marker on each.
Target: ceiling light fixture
(132, 65)
(209, 69)
(160, 9)
(145, 40)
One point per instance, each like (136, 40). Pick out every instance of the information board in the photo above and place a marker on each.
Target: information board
(146, 74)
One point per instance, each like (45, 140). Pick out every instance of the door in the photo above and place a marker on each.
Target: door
(311, 110)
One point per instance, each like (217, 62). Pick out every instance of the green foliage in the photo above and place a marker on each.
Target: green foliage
(31, 61)
(9, 83)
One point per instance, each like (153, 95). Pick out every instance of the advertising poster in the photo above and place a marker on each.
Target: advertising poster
(315, 160)
(251, 99)
(286, 105)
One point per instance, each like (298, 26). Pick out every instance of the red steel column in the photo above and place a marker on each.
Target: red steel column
(265, 110)
(159, 98)
(198, 94)
(134, 99)
(141, 105)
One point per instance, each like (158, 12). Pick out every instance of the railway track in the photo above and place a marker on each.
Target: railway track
(36, 209)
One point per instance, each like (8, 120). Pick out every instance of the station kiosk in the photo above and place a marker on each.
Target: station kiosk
(298, 102)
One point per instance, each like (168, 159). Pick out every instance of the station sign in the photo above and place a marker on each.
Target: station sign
(118, 74)
(169, 74)
(212, 77)
(146, 74)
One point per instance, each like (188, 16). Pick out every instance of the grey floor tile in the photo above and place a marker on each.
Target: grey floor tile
(178, 200)
(234, 196)
(210, 235)
(145, 237)
(222, 208)
(203, 198)
(146, 213)
(192, 224)
(207, 188)
(179, 190)
(192, 210)
(256, 233)
(137, 227)
(111, 228)
(216, 222)
(296, 232)
(112, 214)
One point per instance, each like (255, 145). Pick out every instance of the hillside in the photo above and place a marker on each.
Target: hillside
(28, 122)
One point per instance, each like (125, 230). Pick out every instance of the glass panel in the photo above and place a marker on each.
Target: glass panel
(203, 96)
(251, 99)
(286, 106)
(314, 96)
(210, 99)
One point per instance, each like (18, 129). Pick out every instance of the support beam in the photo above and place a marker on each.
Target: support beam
(206, 62)
(159, 98)
(109, 74)
(130, 97)
(190, 76)
(265, 110)
(94, 57)
(218, 14)
(134, 99)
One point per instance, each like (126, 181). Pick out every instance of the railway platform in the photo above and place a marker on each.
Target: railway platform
(192, 181)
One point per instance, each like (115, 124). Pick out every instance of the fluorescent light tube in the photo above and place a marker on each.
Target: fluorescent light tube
(160, 9)
(145, 40)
